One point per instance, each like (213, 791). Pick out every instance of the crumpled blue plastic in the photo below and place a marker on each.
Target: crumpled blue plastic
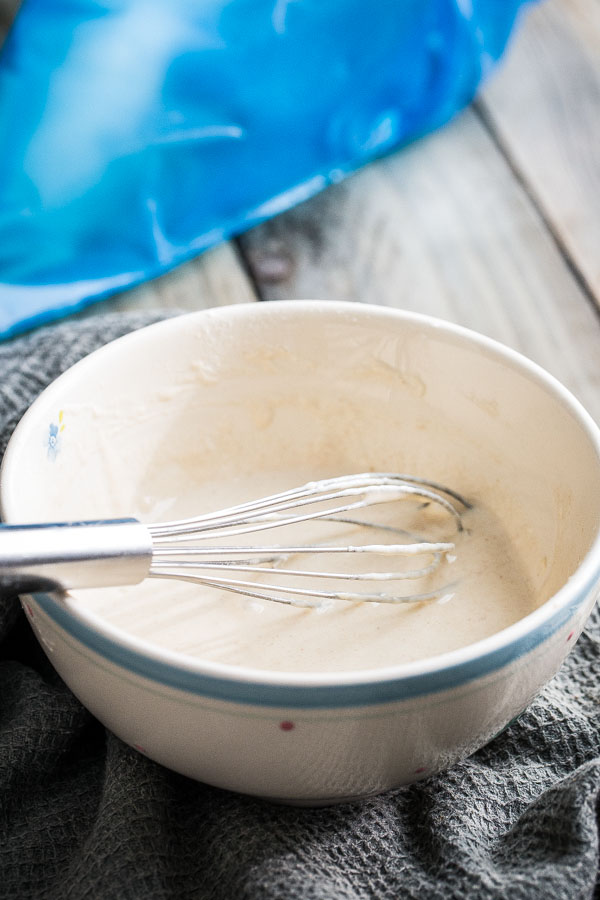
(137, 133)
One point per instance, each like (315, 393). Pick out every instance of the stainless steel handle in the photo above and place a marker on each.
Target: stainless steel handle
(65, 555)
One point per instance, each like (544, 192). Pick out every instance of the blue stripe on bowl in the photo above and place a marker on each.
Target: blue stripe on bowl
(310, 696)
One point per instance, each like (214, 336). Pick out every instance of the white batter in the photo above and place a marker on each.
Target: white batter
(492, 591)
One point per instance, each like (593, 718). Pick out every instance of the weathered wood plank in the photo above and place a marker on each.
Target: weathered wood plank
(544, 109)
(216, 278)
(443, 228)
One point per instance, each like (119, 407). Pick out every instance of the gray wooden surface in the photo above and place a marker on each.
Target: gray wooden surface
(493, 222)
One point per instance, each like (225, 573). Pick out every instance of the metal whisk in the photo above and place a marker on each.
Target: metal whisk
(70, 555)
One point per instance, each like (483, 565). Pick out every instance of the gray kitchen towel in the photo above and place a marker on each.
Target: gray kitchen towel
(84, 816)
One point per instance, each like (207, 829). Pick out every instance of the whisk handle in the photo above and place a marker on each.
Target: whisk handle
(66, 555)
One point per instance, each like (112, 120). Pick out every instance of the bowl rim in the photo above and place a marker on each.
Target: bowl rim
(346, 688)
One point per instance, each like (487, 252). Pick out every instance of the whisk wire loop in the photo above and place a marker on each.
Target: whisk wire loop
(255, 515)
(329, 501)
(67, 555)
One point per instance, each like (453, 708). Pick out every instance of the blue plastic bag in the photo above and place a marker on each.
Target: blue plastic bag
(136, 133)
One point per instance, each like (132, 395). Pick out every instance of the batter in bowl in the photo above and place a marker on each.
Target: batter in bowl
(484, 588)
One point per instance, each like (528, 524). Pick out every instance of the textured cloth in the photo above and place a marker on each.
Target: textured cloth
(84, 816)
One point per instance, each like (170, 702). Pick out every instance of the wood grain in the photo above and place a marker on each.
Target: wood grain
(544, 109)
(443, 228)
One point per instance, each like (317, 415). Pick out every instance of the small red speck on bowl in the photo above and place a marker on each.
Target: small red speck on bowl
(571, 635)
(286, 726)
(420, 770)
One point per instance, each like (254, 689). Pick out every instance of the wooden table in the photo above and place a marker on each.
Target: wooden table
(493, 222)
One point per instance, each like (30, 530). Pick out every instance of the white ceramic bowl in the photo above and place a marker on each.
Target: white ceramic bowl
(140, 404)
